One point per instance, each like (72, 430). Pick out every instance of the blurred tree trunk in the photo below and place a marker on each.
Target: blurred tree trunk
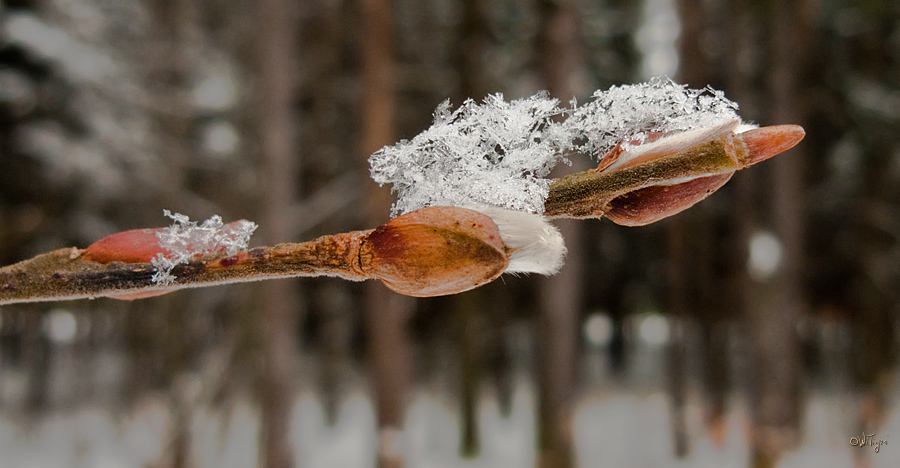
(334, 339)
(682, 271)
(471, 48)
(160, 348)
(36, 352)
(168, 71)
(279, 163)
(746, 209)
(470, 327)
(325, 28)
(470, 333)
(386, 313)
(678, 305)
(694, 254)
(777, 303)
(874, 351)
(560, 296)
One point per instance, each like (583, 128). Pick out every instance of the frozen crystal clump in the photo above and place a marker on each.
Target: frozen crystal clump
(498, 153)
(630, 114)
(185, 240)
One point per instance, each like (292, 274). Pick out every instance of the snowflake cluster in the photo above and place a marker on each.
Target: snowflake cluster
(629, 114)
(185, 240)
(498, 153)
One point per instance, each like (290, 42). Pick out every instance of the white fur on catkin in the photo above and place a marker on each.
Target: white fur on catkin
(536, 245)
(670, 144)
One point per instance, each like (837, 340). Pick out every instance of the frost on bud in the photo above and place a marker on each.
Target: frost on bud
(498, 153)
(185, 240)
(492, 153)
(166, 248)
(435, 251)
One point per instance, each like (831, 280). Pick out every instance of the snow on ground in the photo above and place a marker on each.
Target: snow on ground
(611, 429)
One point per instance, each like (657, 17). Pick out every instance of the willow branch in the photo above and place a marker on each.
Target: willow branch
(70, 274)
(429, 252)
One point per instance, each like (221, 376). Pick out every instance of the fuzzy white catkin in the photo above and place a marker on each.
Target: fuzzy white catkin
(536, 246)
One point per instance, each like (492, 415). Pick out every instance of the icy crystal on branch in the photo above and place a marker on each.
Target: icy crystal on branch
(498, 153)
(630, 114)
(185, 240)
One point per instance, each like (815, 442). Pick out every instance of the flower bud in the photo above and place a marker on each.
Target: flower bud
(135, 246)
(435, 251)
(652, 181)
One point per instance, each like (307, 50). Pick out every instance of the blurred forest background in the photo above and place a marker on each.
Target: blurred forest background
(757, 329)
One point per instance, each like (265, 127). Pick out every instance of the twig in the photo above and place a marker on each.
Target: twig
(429, 252)
(67, 274)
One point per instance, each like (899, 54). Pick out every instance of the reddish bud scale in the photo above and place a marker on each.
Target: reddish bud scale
(654, 203)
(135, 246)
(648, 205)
(435, 251)
(765, 142)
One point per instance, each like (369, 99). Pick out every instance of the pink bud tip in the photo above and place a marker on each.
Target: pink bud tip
(137, 246)
(763, 143)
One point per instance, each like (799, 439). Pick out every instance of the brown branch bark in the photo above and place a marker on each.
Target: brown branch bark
(66, 274)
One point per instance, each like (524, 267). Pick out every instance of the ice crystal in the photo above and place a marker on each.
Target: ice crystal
(185, 240)
(498, 153)
(630, 114)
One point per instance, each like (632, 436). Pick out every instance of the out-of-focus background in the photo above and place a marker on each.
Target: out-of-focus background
(757, 329)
